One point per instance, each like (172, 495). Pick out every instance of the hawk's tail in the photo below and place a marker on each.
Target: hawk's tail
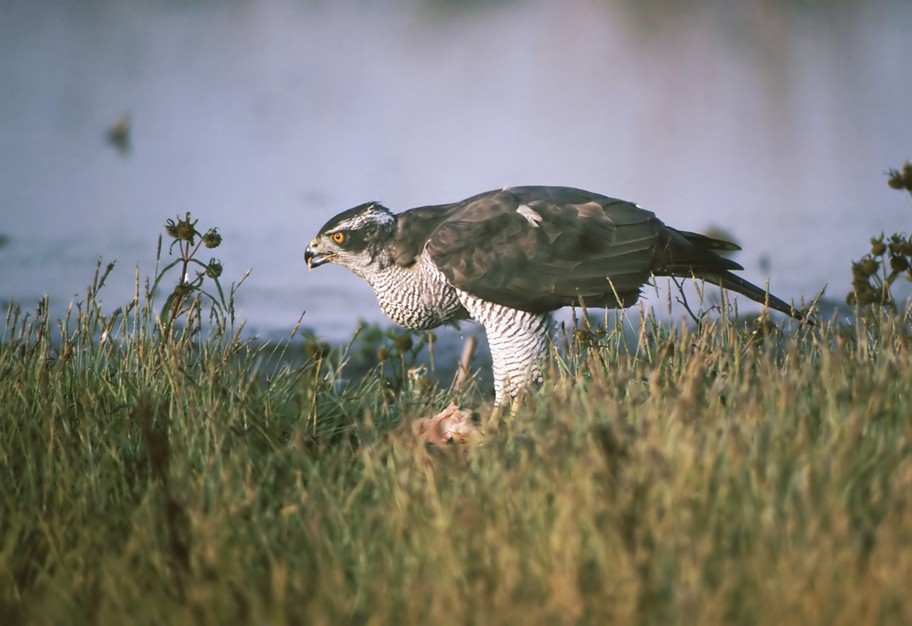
(735, 283)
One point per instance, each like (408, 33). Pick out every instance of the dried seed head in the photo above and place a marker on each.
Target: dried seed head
(183, 229)
(214, 269)
(212, 239)
(899, 263)
(403, 343)
(878, 247)
(868, 267)
(895, 180)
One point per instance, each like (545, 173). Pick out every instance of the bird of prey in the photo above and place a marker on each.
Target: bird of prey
(508, 258)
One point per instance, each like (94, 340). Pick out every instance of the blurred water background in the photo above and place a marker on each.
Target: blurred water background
(772, 119)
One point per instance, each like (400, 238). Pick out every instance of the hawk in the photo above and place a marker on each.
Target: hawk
(508, 258)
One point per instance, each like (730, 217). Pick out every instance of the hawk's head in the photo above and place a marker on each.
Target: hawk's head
(354, 238)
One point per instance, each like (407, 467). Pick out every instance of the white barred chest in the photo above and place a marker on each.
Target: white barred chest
(417, 297)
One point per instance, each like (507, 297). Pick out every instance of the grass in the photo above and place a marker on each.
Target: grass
(153, 475)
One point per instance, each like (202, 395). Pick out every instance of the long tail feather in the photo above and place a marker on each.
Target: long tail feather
(735, 283)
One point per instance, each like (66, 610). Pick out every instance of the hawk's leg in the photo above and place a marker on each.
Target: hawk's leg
(518, 342)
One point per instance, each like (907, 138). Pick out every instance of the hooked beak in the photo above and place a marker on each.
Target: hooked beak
(315, 259)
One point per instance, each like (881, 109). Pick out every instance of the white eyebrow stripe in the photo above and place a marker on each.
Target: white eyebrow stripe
(371, 215)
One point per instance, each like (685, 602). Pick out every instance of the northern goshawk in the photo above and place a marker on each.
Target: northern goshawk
(508, 258)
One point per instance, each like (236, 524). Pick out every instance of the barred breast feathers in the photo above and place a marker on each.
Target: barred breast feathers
(416, 296)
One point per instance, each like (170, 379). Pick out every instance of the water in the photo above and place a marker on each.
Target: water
(775, 122)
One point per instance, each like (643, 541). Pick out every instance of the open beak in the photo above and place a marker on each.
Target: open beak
(315, 259)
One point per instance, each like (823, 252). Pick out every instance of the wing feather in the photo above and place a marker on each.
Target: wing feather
(541, 248)
(582, 244)
(413, 229)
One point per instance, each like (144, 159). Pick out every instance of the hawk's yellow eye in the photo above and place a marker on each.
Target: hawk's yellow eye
(338, 237)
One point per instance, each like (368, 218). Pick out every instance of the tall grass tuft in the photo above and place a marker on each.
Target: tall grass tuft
(157, 468)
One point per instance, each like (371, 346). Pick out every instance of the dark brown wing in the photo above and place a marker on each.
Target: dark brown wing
(541, 248)
(414, 227)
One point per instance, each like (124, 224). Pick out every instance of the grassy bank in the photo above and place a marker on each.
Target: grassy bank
(708, 476)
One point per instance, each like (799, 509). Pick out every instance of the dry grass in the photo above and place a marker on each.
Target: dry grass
(696, 477)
